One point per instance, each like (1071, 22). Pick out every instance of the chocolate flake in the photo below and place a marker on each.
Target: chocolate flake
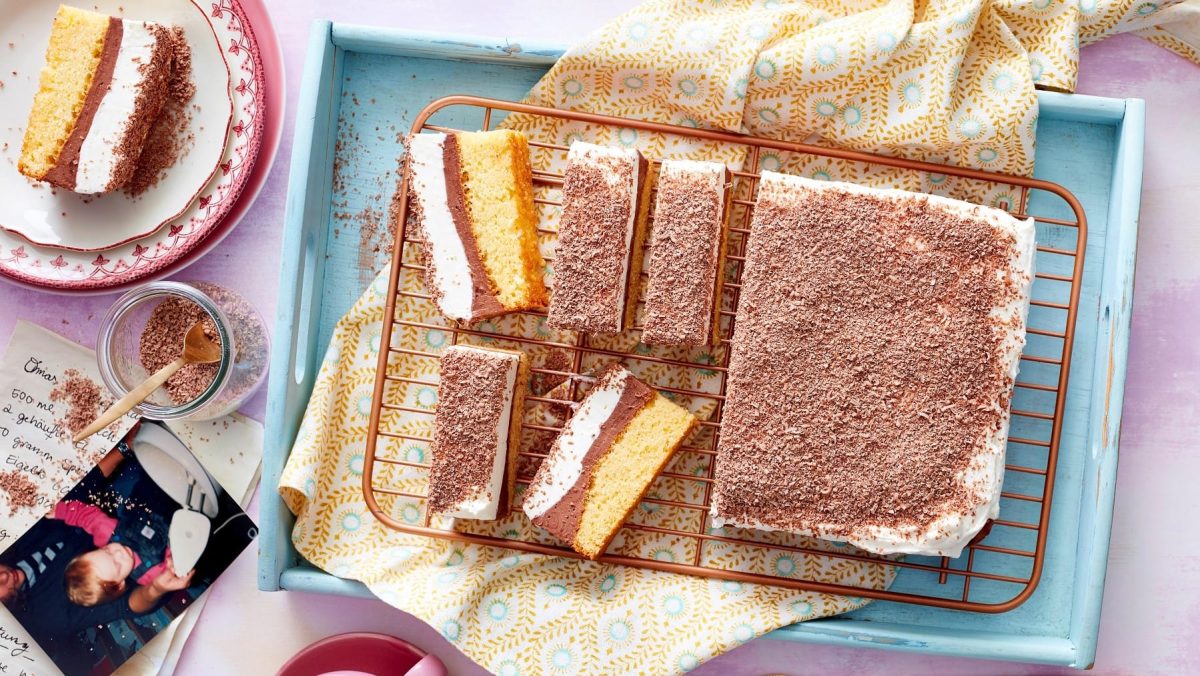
(867, 370)
(681, 292)
(601, 192)
(22, 492)
(169, 138)
(162, 342)
(471, 400)
(84, 398)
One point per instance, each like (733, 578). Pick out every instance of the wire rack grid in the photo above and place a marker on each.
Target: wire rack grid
(1000, 568)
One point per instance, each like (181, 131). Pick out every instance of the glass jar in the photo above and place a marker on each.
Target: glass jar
(244, 349)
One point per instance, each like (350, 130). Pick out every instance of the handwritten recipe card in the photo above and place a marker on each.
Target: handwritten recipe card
(47, 386)
(40, 462)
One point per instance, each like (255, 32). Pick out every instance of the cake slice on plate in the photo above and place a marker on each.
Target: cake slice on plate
(603, 461)
(872, 366)
(104, 84)
(600, 237)
(472, 197)
(476, 428)
(683, 292)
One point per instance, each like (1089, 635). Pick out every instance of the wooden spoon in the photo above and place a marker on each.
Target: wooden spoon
(198, 348)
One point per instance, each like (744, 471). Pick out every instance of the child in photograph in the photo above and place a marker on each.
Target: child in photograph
(32, 574)
(134, 549)
(94, 580)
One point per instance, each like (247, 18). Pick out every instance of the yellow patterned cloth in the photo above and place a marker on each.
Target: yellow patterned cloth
(944, 80)
(518, 613)
(948, 81)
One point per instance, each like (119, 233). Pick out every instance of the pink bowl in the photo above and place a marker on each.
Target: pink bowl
(360, 652)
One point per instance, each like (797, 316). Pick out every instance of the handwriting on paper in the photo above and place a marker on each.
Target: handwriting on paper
(19, 655)
(38, 446)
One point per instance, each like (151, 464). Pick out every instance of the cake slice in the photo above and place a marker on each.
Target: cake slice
(103, 86)
(600, 237)
(478, 421)
(472, 197)
(606, 456)
(871, 371)
(683, 292)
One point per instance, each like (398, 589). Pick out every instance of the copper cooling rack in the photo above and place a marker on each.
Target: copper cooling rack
(997, 572)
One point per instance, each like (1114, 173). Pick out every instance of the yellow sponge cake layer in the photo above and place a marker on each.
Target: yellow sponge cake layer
(76, 43)
(499, 190)
(626, 470)
(471, 197)
(606, 457)
(103, 87)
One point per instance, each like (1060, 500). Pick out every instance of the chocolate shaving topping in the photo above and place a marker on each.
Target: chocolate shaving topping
(169, 139)
(471, 400)
(600, 195)
(684, 250)
(866, 369)
(152, 96)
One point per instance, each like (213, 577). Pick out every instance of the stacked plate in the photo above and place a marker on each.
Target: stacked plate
(54, 239)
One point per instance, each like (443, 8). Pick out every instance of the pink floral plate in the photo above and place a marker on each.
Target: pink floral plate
(75, 270)
(61, 219)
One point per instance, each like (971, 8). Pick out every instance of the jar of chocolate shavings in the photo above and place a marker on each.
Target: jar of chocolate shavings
(144, 331)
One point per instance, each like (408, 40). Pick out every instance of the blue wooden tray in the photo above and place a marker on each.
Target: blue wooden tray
(362, 86)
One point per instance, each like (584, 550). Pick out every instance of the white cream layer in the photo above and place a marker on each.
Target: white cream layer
(948, 534)
(486, 503)
(98, 157)
(677, 169)
(564, 464)
(606, 158)
(451, 272)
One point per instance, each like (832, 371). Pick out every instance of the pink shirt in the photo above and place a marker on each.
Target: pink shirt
(101, 526)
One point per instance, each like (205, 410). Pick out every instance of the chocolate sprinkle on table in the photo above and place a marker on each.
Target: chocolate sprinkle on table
(84, 399)
(22, 492)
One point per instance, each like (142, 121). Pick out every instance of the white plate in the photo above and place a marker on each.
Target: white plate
(258, 113)
(62, 219)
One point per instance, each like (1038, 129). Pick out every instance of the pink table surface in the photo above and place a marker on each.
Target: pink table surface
(1151, 617)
